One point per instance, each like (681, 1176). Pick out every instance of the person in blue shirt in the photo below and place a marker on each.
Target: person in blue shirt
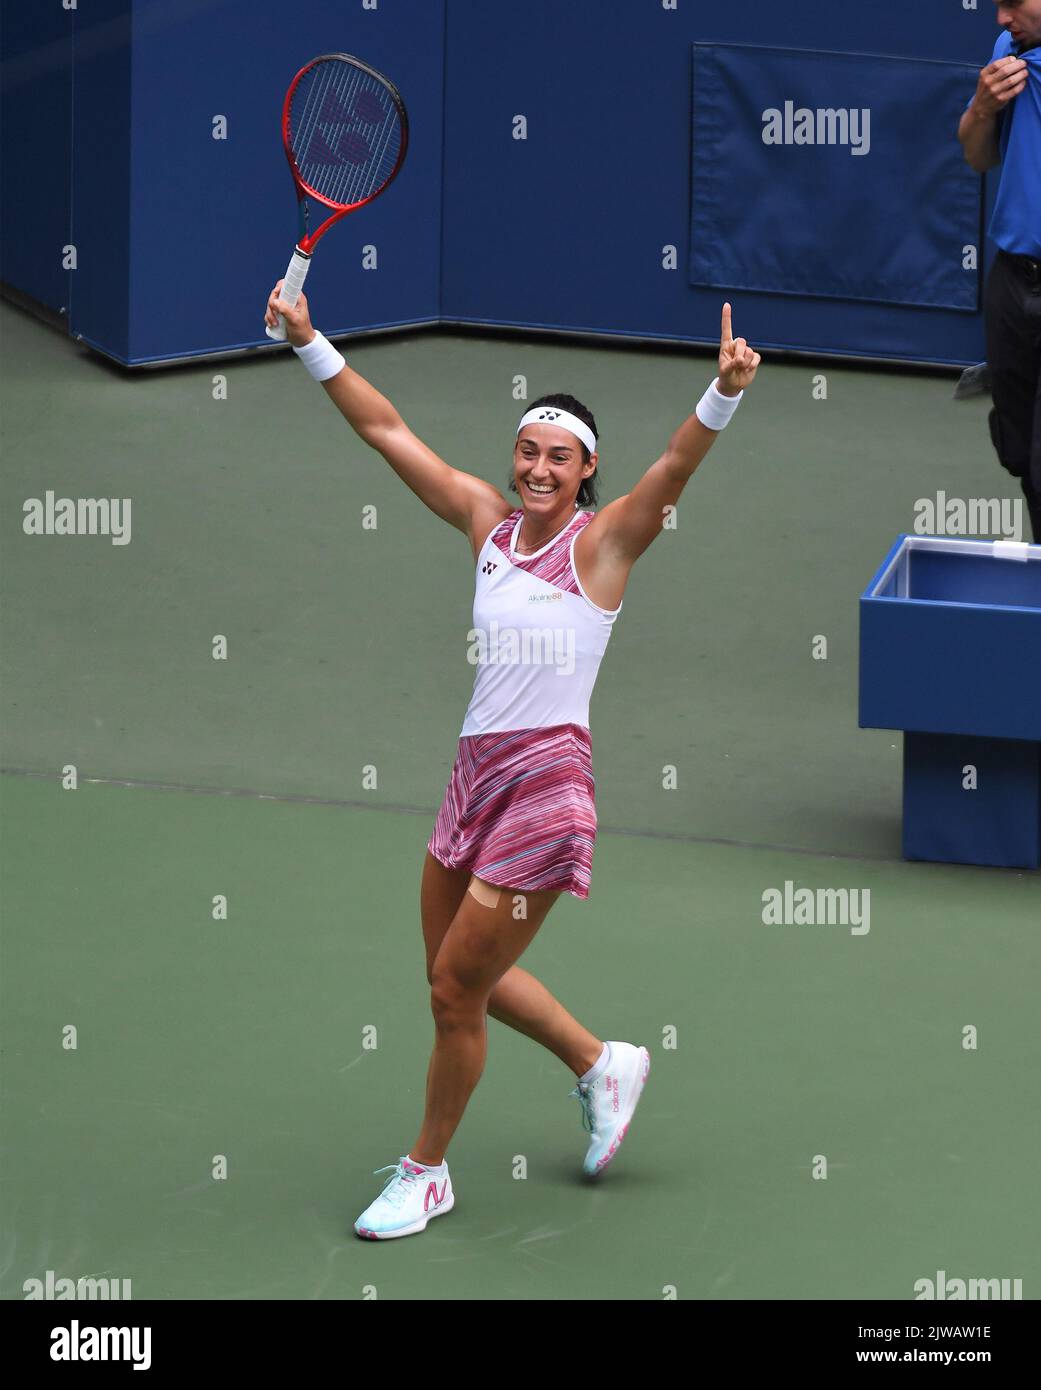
(1002, 125)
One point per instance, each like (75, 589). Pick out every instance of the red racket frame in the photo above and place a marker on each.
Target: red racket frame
(308, 242)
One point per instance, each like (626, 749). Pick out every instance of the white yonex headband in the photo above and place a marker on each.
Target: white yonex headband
(553, 415)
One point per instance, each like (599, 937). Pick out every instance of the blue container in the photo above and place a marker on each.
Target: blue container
(950, 652)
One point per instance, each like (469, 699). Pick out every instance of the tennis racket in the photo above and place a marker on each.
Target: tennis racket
(345, 131)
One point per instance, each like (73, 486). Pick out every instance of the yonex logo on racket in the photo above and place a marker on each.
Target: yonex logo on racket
(330, 159)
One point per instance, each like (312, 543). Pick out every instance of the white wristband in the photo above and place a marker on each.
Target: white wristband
(715, 410)
(320, 358)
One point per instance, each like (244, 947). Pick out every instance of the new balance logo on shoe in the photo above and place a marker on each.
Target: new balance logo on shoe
(612, 1090)
(432, 1192)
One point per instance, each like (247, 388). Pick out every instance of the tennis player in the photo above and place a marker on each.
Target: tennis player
(517, 824)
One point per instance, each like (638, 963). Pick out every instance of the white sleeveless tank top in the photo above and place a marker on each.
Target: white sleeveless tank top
(537, 638)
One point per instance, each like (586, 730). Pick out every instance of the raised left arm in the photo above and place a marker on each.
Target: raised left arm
(622, 531)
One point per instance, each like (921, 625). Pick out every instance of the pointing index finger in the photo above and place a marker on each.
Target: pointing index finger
(727, 332)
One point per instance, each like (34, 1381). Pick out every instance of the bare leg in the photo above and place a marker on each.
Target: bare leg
(524, 1003)
(518, 999)
(481, 944)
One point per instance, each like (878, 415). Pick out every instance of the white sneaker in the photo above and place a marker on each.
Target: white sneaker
(609, 1102)
(410, 1198)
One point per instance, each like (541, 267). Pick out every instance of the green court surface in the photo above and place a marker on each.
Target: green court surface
(771, 1045)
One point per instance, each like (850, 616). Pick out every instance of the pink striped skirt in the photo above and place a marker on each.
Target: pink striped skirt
(519, 810)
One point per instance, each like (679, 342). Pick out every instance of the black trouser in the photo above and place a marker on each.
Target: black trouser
(1012, 313)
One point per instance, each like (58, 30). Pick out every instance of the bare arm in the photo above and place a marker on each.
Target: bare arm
(464, 501)
(999, 84)
(623, 530)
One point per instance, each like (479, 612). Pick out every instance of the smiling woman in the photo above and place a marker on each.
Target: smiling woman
(565, 446)
(517, 824)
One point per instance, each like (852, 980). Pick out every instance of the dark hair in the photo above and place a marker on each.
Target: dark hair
(588, 490)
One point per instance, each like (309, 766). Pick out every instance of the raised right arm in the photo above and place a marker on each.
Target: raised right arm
(466, 502)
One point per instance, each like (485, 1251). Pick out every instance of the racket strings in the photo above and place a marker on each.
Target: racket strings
(345, 132)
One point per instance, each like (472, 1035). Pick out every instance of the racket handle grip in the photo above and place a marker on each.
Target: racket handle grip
(296, 274)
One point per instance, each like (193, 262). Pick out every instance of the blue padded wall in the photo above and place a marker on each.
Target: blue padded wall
(36, 119)
(180, 236)
(108, 145)
(214, 222)
(565, 229)
(868, 197)
(100, 225)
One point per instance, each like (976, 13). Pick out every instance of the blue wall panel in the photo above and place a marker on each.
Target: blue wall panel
(36, 118)
(215, 222)
(180, 236)
(566, 228)
(101, 135)
(868, 197)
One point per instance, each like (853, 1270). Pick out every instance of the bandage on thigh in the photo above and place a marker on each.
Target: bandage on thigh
(485, 893)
